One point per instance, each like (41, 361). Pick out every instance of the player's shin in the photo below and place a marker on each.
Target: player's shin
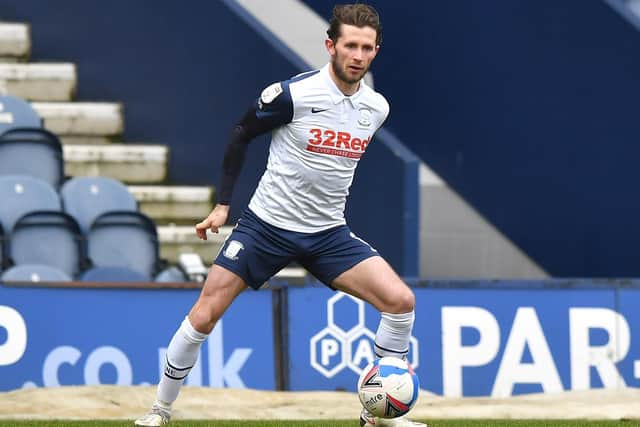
(182, 354)
(393, 335)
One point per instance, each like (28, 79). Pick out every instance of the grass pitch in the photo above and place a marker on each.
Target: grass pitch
(327, 423)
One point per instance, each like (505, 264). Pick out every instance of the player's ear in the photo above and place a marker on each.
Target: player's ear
(331, 46)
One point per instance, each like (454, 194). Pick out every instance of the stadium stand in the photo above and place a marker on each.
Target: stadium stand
(34, 273)
(47, 238)
(127, 240)
(86, 198)
(41, 96)
(23, 194)
(32, 151)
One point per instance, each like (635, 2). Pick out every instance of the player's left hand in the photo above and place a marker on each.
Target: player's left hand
(216, 219)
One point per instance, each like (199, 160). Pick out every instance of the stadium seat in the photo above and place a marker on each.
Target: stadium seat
(34, 273)
(3, 242)
(23, 194)
(17, 113)
(112, 274)
(124, 239)
(86, 198)
(171, 275)
(47, 238)
(33, 152)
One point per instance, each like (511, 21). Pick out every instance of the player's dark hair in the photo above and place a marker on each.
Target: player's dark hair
(359, 15)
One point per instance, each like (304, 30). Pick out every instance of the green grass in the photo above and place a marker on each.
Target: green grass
(326, 423)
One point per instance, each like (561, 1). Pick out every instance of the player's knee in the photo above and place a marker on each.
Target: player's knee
(404, 300)
(201, 320)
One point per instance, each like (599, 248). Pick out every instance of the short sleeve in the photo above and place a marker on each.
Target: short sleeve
(274, 107)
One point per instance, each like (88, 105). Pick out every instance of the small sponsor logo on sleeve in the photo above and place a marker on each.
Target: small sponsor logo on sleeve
(270, 93)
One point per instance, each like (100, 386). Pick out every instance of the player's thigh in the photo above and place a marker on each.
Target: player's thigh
(218, 292)
(374, 281)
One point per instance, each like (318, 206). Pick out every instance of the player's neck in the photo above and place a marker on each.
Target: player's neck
(346, 88)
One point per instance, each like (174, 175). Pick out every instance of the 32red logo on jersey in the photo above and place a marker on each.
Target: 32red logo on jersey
(336, 143)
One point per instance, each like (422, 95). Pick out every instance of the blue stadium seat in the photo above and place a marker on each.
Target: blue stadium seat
(47, 238)
(34, 273)
(86, 198)
(23, 194)
(112, 274)
(124, 239)
(33, 152)
(17, 113)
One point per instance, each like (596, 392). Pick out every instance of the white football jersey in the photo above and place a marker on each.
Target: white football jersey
(314, 153)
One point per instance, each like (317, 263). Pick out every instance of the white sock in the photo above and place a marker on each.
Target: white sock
(181, 356)
(394, 332)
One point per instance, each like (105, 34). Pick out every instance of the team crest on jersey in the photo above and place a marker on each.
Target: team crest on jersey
(365, 117)
(270, 93)
(233, 249)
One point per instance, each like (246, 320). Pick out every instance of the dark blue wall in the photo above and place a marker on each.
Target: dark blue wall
(529, 109)
(185, 73)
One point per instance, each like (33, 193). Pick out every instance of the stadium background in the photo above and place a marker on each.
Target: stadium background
(524, 112)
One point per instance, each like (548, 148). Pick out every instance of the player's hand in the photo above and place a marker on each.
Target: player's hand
(216, 219)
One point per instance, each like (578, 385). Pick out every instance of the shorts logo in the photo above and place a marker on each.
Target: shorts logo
(233, 249)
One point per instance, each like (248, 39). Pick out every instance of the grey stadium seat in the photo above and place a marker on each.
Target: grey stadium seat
(112, 274)
(47, 238)
(171, 275)
(23, 194)
(33, 152)
(124, 239)
(17, 113)
(86, 198)
(3, 242)
(34, 273)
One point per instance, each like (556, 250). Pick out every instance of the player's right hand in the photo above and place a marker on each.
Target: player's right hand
(216, 219)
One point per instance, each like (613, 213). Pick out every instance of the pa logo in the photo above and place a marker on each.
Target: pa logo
(346, 342)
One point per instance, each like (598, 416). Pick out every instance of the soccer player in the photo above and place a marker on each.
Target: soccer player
(322, 123)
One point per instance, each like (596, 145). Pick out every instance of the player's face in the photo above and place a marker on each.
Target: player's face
(352, 53)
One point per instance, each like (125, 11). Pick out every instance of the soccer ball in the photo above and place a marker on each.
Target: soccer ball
(388, 387)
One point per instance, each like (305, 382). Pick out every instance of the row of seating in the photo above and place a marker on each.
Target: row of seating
(92, 231)
(86, 228)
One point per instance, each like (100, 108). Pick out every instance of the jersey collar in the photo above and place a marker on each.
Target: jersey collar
(336, 95)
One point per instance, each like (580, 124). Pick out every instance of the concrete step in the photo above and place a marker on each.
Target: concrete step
(39, 82)
(174, 204)
(129, 163)
(87, 139)
(15, 42)
(90, 119)
(177, 239)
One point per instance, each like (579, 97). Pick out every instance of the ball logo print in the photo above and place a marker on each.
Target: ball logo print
(346, 342)
(388, 387)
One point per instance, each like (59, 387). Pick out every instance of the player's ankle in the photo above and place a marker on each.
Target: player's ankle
(166, 406)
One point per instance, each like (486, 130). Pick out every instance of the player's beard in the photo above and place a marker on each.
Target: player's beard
(339, 69)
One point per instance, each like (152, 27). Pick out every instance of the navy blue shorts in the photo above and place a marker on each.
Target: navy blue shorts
(256, 251)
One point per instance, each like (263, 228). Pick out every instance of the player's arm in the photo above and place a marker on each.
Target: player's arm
(273, 109)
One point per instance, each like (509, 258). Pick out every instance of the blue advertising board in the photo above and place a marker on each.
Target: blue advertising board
(470, 338)
(476, 341)
(75, 336)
